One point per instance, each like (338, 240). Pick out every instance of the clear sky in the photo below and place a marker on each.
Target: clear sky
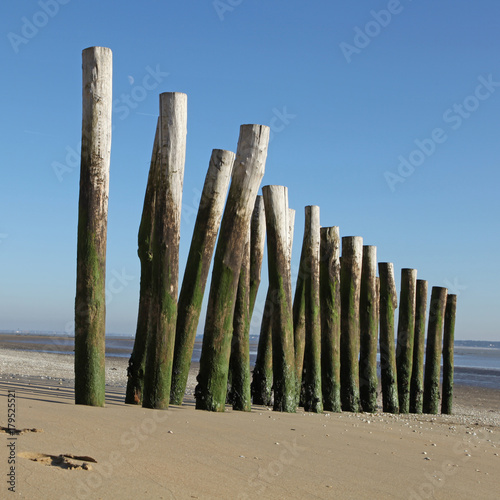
(386, 114)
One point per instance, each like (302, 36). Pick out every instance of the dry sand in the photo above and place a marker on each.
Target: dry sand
(184, 453)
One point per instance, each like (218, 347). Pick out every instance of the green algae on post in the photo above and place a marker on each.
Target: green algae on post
(299, 323)
(137, 361)
(368, 325)
(388, 304)
(350, 285)
(166, 235)
(90, 301)
(448, 340)
(417, 372)
(406, 329)
(280, 284)
(313, 398)
(197, 267)
(262, 379)
(433, 350)
(239, 363)
(330, 317)
(248, 171)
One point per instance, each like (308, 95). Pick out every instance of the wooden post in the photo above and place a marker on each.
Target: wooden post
(137, 361)
(239, 363)
(262, 376)
(198, 263)
(388, 304)
(278, 250)
(406, 330)
(172, 142)
(262, 379)
(350, 285)
(90, 302)
(433, 350)
(291, 230)
(313, 398)
(448, 340)
(257, 244)
(299, 320)
(330, 317)
(368, 321)
(417, 372)
(247, 174)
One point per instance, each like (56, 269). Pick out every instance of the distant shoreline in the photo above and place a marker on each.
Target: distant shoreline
(474, 367)
(5, 334)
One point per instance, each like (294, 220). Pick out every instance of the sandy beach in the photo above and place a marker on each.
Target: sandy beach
(124, 451)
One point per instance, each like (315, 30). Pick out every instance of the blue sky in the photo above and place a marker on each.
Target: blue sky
(386, 114)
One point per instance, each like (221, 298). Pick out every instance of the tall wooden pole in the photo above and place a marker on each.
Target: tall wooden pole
(448, 340)
(291, 232)
(137, 361)
(172, 142)
(202, 247)
(261, 384)
(350, 286)
(257, 244)
(247, 174)
(90, 302)
(313, 397)
(417, 373)
(388, 305)
(299, 320)
(278, 249)
(330, 317)
(368, 320)
(239, 363)
(262, 379)
(406, 329)
(433, 350)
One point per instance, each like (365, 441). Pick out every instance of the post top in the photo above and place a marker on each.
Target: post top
(97, 47)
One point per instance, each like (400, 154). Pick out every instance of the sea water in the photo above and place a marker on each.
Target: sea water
(476, 363)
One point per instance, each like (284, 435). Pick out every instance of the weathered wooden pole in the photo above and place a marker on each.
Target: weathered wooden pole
(368, 324)
(262, 379)
(256, 249)
(433, 350)
(257, 244)
(198, 263)
(313, 397)
(299, 320)
(330, 317)
(388, 304)
(247, 174)
(291, 231)
(448, 340)
(417, 372)
(172, 143)
(90, 302)
(137, 361)
(350, 287)
(262, 376)
(239, 363)
(278, 250)
(406, 330)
